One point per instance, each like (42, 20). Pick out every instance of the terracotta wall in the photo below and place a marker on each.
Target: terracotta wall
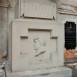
(70, 55)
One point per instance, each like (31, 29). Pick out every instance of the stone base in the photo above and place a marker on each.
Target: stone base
(2, 73)
(53, 72)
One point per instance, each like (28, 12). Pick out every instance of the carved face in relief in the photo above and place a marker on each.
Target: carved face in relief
(39, 45)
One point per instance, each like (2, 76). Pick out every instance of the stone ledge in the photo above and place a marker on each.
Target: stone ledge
(53, 72)
(42, 9)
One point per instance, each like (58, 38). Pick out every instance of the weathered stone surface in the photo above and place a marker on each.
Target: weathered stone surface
(36, 45)
(69, 2)
(67, 7)
(4, 3)
(3, 32)
(52, 72)
(2, 73)
(36, 9)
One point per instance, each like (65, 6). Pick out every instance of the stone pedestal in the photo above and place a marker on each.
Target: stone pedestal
(52, 72)
(36, 45)
(37, 49)
(37, 42)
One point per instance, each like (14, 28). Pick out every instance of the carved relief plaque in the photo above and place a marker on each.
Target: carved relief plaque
(39, 45)
(38, 9)
(36, 45)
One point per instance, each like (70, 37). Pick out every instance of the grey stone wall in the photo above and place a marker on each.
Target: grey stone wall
(3, 31)
(6, 17)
